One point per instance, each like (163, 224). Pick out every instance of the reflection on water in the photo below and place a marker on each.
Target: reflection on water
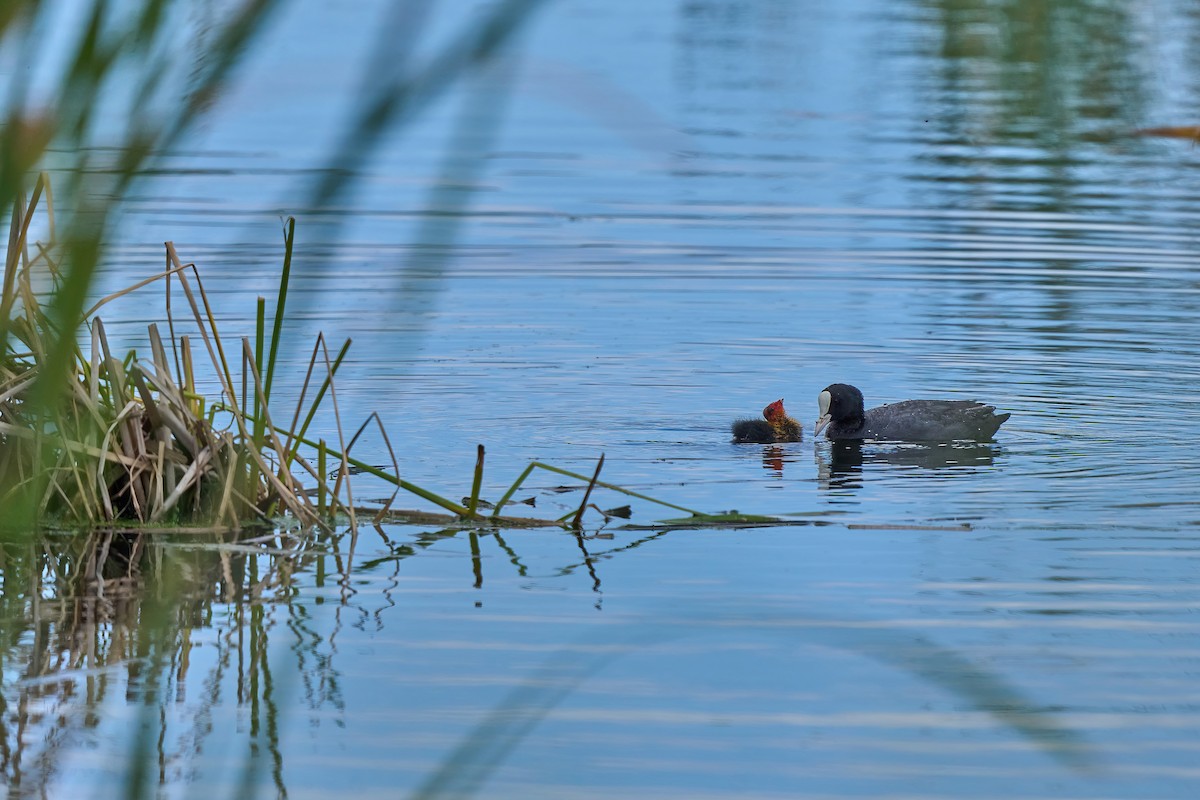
(264, 660)
(840, 464)
(920, 198)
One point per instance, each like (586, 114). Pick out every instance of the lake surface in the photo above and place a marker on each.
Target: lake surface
(683, 211)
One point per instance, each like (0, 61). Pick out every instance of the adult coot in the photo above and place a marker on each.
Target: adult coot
(775, 426)
(843, 417)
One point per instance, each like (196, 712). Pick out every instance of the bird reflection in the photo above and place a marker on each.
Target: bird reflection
(840, 466)
(772, 459)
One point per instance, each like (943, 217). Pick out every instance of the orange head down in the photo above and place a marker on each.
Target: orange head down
(774, 412)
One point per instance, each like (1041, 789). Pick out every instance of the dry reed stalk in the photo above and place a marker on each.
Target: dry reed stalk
(374, 417)
(344, 472)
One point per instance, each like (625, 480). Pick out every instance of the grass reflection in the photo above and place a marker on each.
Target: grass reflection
(199, 635)
(120, 609)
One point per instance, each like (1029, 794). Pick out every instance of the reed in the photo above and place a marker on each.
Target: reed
(133, 438)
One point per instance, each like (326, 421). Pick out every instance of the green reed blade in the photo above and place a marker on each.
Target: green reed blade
(362, 466)
(513, 489)
(259, 333)
(285, 277)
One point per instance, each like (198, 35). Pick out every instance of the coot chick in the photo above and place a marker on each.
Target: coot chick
(843, 417)
(775, 426)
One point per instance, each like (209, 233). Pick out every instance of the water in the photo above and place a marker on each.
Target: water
(692, 209)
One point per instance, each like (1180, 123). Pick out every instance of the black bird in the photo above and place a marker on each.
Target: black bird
(775, 426)
(843, 417)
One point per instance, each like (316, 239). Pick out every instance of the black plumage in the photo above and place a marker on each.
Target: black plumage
(775, 426)
(844, 418)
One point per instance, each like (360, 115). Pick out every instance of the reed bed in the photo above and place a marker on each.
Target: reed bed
(131, 438)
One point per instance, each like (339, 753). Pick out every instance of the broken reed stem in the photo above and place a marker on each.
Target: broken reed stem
(374, 417)
(577, 522)
(395, 461)
(474, 501)
(91, 312)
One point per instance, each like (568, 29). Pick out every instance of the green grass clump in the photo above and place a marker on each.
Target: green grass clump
(132, 438)
(129, 437)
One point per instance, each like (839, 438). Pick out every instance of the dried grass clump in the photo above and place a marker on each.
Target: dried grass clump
(131, 438)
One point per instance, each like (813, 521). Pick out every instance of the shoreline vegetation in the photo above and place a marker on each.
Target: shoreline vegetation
(133, 441)
(88, 436)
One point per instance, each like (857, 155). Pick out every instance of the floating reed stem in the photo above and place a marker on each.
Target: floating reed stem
(549, 468)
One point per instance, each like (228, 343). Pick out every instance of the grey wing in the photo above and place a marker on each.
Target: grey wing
(935, 420)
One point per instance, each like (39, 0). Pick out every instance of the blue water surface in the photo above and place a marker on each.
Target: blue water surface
(675, 213)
